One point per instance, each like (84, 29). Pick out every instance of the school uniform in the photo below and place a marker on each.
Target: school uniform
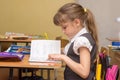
(82, 38)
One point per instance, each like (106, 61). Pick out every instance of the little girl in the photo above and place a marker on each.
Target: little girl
(77, 23)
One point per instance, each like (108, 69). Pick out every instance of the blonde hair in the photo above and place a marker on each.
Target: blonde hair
(73, 11)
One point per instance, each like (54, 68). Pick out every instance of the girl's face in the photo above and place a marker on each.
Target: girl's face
(71, 28)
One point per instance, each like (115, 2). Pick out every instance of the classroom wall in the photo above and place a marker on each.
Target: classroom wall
(30, 16)
(35, 17)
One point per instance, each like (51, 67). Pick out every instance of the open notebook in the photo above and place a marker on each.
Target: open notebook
(40, 49)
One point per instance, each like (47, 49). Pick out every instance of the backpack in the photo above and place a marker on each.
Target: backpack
(112, 73)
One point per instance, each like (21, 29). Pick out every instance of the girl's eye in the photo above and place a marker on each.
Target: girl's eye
(64, 27)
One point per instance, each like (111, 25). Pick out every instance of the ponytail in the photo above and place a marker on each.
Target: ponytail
(91, 26)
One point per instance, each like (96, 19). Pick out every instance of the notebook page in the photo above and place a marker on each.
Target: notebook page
(40, 49)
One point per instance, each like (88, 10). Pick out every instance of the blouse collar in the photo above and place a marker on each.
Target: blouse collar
(82, 31)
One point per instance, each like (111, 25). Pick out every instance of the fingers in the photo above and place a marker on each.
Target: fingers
(50, 56)
(54, 57)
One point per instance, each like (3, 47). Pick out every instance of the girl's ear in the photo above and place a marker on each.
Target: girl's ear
(77, 22)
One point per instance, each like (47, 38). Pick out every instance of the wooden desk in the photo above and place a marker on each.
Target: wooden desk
(26, 64)
(13, 41)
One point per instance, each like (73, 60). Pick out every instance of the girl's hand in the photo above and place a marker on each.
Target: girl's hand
(55, 56)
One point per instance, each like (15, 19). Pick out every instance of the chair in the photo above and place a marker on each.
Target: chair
(100, 63)
(104, 61)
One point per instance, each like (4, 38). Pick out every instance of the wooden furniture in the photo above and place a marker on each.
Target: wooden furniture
(115, 56)
(13, 41)
(24, 63)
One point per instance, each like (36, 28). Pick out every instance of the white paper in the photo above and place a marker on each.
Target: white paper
(40, 49)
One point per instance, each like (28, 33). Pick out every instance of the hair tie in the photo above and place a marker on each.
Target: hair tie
(85, 10)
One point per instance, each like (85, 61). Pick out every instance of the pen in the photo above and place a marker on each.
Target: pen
(46, 35)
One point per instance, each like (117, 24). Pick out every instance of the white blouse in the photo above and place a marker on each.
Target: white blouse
(79, 41)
